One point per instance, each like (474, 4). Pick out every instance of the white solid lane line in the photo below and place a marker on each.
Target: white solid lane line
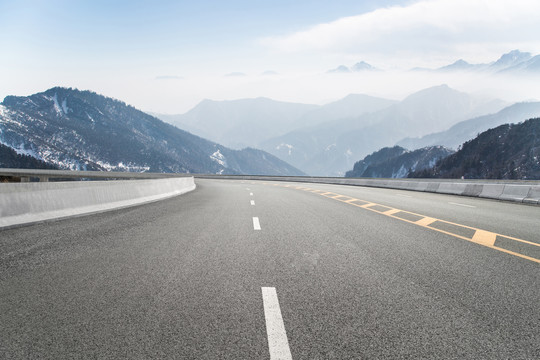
(465, 205)
(403, 195)
(275, 329)
(252, 202)
(256, 224)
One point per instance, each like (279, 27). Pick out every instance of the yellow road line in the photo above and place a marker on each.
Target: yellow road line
(484, 238)
(480, 237)
(426, 221)
(391, 212)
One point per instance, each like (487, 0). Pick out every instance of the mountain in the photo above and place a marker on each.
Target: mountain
(350, 106)
(363, 66)
(514, 61)
(397, 162)
(468, 129)
(510, 151)
(240, 123)
(250, 122)
(340, 69)
(513, 58)
(531, 65)
(376, 157)
(461, 65)
(358, 67)
(331, 148)
(74, 129)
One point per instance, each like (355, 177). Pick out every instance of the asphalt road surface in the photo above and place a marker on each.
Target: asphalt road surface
(258, 270)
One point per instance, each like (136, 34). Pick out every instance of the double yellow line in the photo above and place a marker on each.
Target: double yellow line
(475, 235)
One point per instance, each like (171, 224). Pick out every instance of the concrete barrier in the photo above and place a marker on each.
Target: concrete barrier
(515, 192)
(533, 197)
(23, 203)
(491, 191)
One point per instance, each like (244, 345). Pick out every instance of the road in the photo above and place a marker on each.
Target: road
(242, 270)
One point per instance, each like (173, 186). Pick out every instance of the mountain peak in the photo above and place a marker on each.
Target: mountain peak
(512, 58)
(437, 90)
(362, 66)
(340, 69)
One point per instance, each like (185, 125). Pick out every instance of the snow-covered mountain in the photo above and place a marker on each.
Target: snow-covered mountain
(468, 129)
(513, 62)
(331, 148)
(73, 129)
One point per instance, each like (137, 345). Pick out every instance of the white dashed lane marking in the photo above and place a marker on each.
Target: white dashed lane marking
(256, 224)
(275, 328)
(252, 202)
(464, 205)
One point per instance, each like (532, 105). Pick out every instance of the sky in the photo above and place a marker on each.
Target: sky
(166, 56)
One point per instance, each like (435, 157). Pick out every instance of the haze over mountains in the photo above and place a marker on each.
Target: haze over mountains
(468, 129)
(81, 130)
(248, 122)
(331, 148)
(74, 129)
(327, 140)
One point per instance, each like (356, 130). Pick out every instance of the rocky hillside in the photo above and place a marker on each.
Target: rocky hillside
(510, 151)
(81, 130)
(397, 162)
(9, 158)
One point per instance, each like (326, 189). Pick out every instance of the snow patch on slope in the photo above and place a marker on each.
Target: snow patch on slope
(287, 146)
(64, 106)
(219, 158)
(56, 105)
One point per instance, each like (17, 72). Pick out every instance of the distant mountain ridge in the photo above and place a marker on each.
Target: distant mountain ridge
(468, 129)
(82, 130)
(510, 151)
(514, 61)
(331, 148)
(358, 67)
(239, 123)
(397, 162)
(250, 122)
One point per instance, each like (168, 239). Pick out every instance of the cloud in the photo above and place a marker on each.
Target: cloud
(169, 77)
(477, 29)
(235, 74)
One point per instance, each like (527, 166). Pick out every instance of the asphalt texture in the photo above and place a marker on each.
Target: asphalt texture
(182, 278)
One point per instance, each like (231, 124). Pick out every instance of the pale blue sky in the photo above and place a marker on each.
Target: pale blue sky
(166, 56)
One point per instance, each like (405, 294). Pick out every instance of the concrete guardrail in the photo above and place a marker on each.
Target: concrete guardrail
(24, 203)
(28, 202)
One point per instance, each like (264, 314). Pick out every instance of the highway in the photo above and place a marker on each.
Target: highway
(274, 270)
